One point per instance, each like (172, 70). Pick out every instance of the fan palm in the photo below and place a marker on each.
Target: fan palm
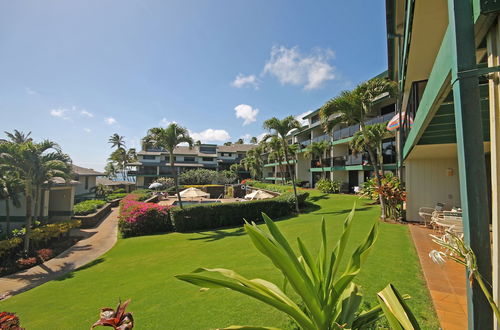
(317, 150)
(352, 107)
(281, 128)
(35, 163)
(169, 138)
(10, 187)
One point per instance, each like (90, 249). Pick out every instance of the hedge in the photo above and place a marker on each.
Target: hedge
(88, 206)
(114, 196)
(268, 186)
(216, 215)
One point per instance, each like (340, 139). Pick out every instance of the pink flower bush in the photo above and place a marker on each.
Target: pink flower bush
(139, 218)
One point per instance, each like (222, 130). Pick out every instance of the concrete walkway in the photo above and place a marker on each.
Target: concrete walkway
(95, 243)
(446, 282)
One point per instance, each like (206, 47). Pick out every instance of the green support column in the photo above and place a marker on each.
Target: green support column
(470, 150)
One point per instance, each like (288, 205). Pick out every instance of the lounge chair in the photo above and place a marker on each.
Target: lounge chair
(426, 214)
(451, 220)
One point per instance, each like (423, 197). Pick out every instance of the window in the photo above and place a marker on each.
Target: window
(389, 151)
(230, 154)
(188, 159)
(208, 159)
(241, 155)
(86, 182)
(175, 158)
(148, 157)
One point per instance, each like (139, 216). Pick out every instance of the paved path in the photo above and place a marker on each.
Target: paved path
(446, 282)
(95, 243)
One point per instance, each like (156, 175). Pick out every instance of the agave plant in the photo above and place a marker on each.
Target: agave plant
(329, 297)
(9, 321)
(117, 319)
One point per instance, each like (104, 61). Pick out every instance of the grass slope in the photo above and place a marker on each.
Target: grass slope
(142, 268)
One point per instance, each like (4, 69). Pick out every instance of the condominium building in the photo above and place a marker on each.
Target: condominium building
(153, 163)
(339, 163)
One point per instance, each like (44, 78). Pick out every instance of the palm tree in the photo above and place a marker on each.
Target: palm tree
(317, 150)
(275, 153)
(197, 143)
(281, 128)
(253, 161)
(253, 140)
(240, 141)
(117, 141)
(10, 187)
(228, 143)
(169, 138)
(375, 133)
(18, 136)
(111, 170)
(352, 107)
(35, 163)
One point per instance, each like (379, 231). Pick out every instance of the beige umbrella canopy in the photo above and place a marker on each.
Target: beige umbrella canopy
(258, 194)
(193, 193)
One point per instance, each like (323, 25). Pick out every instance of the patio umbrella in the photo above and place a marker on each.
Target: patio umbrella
(155, 185)
(393, 124)
(193, 193)
(258, 194)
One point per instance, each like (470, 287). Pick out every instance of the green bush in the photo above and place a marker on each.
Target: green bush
(119, 191)
(269, 186)
(142, 194)
(88, 206)
(113, 196)
(204, 176)
(328, 186)
(211, 216)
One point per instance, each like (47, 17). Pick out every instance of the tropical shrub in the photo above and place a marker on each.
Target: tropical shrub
(40, 236)
(88, 206)
(328, 186)
(203, 176)
(392, 191)
(113, 196)
(116, 318)
(269, 186)
(9, 246)
(138, 218)
(166, 182)
(119, 191)
(328, 297)
(217, 215)
(141, 194)
(26, 262)
(9, 321)
(45, 254)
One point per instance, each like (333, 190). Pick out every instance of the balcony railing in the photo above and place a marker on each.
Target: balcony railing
(324, 137)
(351, 130)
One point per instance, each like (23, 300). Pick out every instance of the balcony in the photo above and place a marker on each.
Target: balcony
(359, 159)
(324, 137)
(347, 132)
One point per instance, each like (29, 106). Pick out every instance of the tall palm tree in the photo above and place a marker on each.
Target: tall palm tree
(111, 170)
(34, 162)
(18, 136)
(10, 187)
(120, 154)
(253, 140)
(169, 138)
(275, 153)
(117, 141)
(375, 134)
(240, 141)
(317, 150)
(352, 107)
(253, 161)
(281, 128)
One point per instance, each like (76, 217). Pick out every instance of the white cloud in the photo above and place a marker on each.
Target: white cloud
(303, 121)
(292, 67)
(164, 122)
(211, 135)
(30, 91)
(87, 130)
(247, 113)
(110, 120)
(86, 113)
(261, 136)
(244, 81)
(60, 113)
(246, 138)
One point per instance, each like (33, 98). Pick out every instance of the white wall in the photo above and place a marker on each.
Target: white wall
(80, 188)
(427, 183)
(302, 168)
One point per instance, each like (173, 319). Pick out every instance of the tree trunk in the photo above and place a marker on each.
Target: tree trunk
(35, 201)
(7, 217)
(291, 176)
(374, 161)
(28, 191)
(174, 171)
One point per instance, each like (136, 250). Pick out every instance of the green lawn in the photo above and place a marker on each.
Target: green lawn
(142, 269)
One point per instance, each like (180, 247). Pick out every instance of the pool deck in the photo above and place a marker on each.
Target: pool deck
(172, 199)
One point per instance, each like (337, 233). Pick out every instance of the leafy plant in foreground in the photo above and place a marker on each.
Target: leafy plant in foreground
(329, 297)
(9, 321)
(117, 319)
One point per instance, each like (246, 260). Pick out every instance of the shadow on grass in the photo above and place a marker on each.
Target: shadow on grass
(345, 211)
(87, 266)
(215, 235)
(317, 198)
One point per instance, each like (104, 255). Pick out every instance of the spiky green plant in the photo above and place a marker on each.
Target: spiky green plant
(329, 299)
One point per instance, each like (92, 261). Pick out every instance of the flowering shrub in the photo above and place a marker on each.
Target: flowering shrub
(138, 218)
(26, 262)
(9, 321)
(45, 254)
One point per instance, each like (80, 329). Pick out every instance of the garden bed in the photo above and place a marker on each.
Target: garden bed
(46, 242)
(91, 220)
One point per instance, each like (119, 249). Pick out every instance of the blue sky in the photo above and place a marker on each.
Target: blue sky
(78, 71)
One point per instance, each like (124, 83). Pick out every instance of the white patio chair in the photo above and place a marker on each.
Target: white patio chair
(426, 214)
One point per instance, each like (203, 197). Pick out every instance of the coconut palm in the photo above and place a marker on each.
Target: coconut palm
(253, 140)
(281, 128)
(253, 161)
(10, 187)
(35, 163)
(169, 138)
(240, 141)
(317, 150)
(375, 133)
(116, 141)
(275, 154)
(111, 170)
(352, 107)
(18, 136)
